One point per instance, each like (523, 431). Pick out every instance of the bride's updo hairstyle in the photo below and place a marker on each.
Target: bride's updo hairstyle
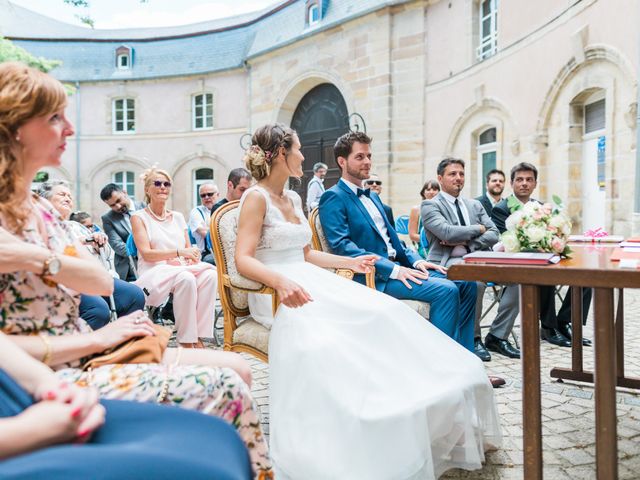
(265, 143)
(147, 179)
(25, 93)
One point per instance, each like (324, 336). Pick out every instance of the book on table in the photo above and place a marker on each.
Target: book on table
(517, 258)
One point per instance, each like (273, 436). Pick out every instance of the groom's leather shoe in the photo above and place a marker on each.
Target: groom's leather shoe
(567, 331)
(501, 346)
(496, 381)
(480, 351)
(553, 336)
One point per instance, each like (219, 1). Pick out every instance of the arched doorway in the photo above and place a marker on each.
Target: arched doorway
(320, 118)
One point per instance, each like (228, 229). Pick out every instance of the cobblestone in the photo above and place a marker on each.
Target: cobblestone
(568, 412)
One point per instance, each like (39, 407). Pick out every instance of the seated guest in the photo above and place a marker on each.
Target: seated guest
(42, 267)
(95, 310)
(238, 181)
(168, 263)
(355, 223)
(375, 185)
(315, 187)
(56, 430)
(117, 226)
(456, 226)
(85, 219)
(429, 190)
(556, 329)
(199, 219)
(495, 187)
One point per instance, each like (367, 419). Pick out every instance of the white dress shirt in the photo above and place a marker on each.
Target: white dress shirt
(315, 189)
(458, 250)
(199, 217)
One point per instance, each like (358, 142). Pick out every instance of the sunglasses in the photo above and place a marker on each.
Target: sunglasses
(207, 195)
(160, 183)
(373, 182)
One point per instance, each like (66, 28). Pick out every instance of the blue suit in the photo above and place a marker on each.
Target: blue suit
(350, 231)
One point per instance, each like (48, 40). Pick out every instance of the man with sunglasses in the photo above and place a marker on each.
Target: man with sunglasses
(117, 225)
(199, 219)
(374, 184)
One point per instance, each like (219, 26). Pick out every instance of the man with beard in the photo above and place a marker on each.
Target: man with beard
(556, 329)
(495, 187)
(117, 226)
(355, 223)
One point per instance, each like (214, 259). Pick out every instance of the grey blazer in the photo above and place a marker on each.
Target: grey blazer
(118, 229)
(441, 224)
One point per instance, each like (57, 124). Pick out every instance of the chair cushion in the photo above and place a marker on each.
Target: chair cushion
(420, 307)
(321, 237)
(251, 333)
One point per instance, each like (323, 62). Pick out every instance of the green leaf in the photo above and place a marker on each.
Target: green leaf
(557, 200)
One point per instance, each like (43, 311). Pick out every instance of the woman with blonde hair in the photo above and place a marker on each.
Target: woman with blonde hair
(168, 263)
(43, 270)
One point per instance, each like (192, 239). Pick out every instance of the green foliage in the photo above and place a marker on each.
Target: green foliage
(13, 53)
(513, 203)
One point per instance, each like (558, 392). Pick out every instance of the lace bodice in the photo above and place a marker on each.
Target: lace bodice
(277, 233)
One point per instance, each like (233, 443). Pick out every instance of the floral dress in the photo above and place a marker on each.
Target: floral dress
(28, 306)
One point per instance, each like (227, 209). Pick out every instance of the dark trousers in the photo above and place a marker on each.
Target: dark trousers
(548, 317)
(127, 297)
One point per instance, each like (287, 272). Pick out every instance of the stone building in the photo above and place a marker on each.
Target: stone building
(551, 82)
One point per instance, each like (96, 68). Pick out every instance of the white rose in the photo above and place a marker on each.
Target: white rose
(530, 207)
(558, 221)
(514, 220)
(535, 233)
(510, 242)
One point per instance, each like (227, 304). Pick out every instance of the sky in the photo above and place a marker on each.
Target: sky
(153, 13)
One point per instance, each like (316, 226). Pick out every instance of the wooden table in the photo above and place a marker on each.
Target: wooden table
(589, 266)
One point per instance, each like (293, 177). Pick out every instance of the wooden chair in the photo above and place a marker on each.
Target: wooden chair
(247, 336)
(319, 242)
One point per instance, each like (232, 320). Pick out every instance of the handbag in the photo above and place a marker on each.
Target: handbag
(13, 398)
(147, 349)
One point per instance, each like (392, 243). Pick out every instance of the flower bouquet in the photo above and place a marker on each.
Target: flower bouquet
(536, 227)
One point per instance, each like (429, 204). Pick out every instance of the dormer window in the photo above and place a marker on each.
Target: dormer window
(314, 12)
(123, 58)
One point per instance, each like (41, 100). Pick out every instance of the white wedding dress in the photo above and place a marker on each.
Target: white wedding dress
(361, 386)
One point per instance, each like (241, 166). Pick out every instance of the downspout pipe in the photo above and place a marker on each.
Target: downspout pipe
(636, 200)
(78, 132)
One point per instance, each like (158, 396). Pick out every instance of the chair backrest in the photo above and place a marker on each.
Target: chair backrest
(318, 239)
(132, 250)
(224, 231)
(402, 225)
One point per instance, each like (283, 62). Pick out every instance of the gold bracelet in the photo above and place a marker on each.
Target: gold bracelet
(47, 348)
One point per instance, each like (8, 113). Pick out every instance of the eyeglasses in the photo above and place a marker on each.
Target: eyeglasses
(160, 183)
(373, 182)
(208, 195)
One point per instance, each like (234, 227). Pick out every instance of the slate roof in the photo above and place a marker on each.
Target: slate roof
(216, 45)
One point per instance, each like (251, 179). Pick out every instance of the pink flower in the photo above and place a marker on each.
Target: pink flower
(547, 208)
(557, 244)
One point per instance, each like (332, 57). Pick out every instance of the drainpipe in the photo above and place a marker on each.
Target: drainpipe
(636, 203)
(78, 129)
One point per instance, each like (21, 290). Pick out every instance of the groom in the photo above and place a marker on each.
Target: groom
(354, 223)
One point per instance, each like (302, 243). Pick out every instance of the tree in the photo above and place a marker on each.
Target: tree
(11, 52)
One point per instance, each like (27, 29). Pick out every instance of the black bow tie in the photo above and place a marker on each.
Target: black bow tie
(366, 192)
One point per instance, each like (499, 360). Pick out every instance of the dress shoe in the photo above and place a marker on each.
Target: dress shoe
(480, 351)
(496, 381)
(501, 346)
(553, 336)
(567, 331)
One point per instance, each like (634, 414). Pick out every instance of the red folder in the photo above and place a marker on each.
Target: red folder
(622, 254)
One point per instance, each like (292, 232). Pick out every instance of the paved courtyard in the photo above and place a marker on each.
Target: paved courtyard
(568, 412)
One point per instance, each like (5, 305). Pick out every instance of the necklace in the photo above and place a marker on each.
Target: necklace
(158, 217)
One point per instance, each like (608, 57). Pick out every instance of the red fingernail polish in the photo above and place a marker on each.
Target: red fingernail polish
(83, 434)
(75, 413)
(50, 395)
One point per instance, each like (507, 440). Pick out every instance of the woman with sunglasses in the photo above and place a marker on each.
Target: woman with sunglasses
(168, 263)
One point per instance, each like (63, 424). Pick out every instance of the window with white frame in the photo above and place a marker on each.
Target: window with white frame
(200, 176)
(203, 111)
(125, 180)
(487, 152)
(123, 61)
(488, 29)
(124, 115)
(313, 14)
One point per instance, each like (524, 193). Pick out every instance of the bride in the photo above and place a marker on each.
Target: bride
(362, 387)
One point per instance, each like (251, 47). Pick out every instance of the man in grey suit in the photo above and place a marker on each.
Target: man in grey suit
(456, 226)
(117, 226)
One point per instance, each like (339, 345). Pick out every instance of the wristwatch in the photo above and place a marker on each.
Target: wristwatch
(50, 267)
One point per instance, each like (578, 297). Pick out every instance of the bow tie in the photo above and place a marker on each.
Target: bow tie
(366, 192)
